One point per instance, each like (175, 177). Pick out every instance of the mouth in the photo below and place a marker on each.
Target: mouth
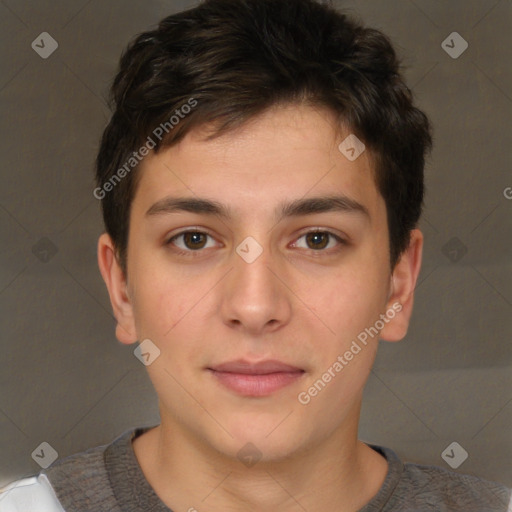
(255, 379)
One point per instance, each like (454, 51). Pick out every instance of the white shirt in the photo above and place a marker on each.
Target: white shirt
(33, 494)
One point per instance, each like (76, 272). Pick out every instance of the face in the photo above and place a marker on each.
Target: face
(251, 269)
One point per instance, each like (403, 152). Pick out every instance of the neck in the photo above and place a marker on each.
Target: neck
(340, 474)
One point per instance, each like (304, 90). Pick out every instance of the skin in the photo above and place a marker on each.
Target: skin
(295, 303)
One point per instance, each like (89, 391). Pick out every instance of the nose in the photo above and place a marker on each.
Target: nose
(255, 299)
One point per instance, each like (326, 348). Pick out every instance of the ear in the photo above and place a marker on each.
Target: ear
(403, 283)
(117, 289)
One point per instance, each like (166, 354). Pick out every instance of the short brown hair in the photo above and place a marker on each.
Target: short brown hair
(237, 58)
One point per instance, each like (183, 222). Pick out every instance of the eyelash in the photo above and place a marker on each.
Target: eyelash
(194, 253)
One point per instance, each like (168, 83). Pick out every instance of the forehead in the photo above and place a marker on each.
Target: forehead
(286, 153)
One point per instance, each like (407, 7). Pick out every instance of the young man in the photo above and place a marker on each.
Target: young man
(261, 182)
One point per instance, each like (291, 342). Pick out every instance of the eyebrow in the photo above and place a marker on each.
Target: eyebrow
(296, 208)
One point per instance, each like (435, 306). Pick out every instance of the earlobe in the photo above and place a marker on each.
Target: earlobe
(403, 283)
(115, 281)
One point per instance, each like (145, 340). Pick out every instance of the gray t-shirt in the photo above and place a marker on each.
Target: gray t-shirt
(108, 478)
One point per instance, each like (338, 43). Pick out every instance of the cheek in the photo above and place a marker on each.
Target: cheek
(350, 301)
(173, 312)
(163, 302)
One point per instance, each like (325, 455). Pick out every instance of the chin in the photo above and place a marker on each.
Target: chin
(268, 442)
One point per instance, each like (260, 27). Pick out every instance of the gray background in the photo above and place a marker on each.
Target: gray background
(66, 380)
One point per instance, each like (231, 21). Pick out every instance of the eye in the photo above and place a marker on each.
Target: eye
(190, 241)
(319, 240)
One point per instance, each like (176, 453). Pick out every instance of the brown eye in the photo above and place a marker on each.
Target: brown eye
(194, 240)
(317, 239)
(320, 242)
(191, 241)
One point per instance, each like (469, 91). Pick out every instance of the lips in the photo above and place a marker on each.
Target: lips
(255, 379)
(262, 368)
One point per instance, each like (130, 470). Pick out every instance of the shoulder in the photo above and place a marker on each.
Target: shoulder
(428, 488)
(447, 490)
(78, 480)
(86, 465)
(45, 492)
(34, 494)
(81, 481)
